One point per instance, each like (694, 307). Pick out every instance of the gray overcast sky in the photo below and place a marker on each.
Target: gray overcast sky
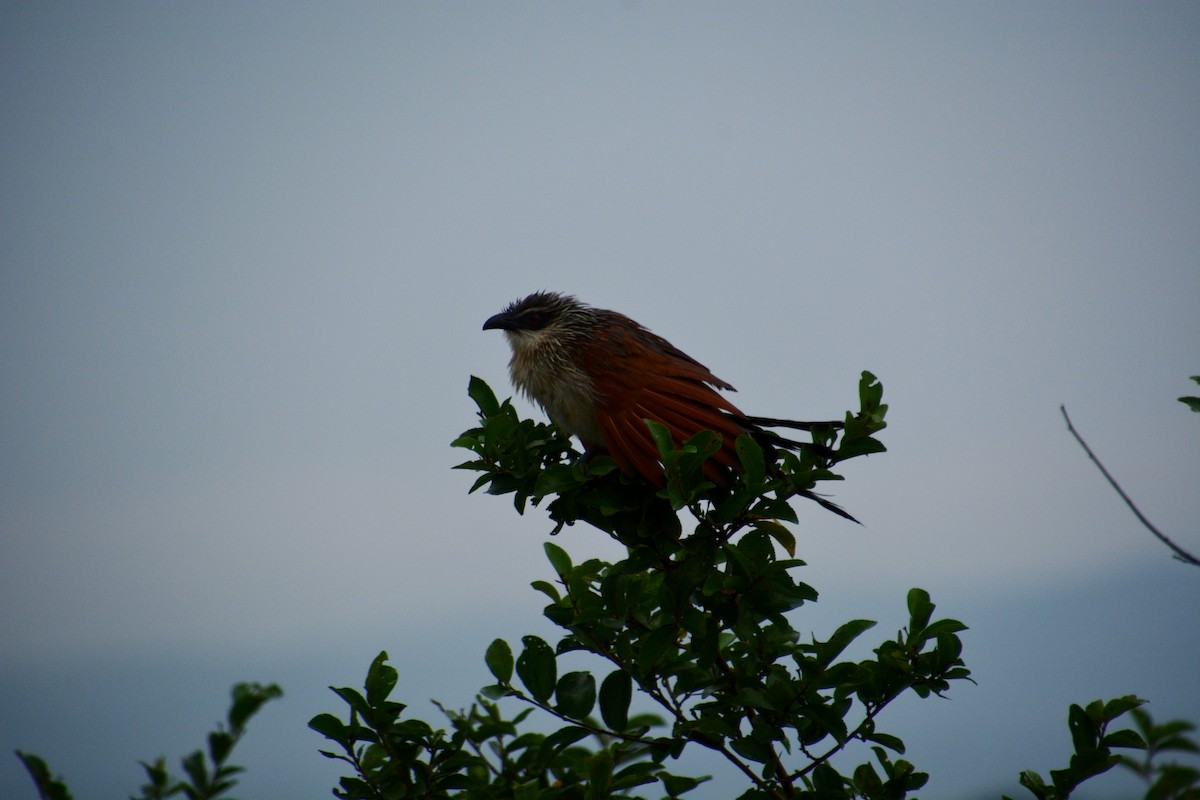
(246, 250)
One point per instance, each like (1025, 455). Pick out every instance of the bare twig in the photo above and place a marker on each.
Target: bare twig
(1180, 553)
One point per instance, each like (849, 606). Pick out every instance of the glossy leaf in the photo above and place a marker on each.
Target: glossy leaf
(381, 680)
(482, 394)
(750, 453)
(564, 737)
(675, 785)
(499, 659)
(330, 727)
(537, 669)
(662, 437)
(616, 692)
(920, 608)
(778, 532)
(558, 558)
(576, 694)
(1083, 729)
(894, 743)
(1124, 738)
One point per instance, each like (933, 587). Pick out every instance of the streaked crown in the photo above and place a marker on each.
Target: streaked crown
(538, 311)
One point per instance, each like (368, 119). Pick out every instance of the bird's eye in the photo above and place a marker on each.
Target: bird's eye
(534, 319)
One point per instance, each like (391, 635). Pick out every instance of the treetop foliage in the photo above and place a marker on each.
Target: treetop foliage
(696, 639)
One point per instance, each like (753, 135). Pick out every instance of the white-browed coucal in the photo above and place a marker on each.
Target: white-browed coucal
(599, 375)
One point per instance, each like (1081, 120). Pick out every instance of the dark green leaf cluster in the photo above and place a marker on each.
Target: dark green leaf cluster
(704, 635)
(209, 776)
(49, 786)
(1094, 743)
(392, 757)
(700, 625)
(1170, 780)
(485, 755)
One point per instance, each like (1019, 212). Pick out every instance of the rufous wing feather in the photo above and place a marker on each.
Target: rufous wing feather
(638, 376)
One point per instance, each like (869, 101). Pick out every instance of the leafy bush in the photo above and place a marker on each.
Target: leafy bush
(700, 624)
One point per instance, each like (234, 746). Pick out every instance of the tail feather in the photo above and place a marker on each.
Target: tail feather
(770, 422)
(831, 506)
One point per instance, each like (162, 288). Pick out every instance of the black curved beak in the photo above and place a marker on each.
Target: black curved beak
(501, 322)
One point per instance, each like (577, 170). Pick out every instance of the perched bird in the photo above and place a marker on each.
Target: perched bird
(599, 375)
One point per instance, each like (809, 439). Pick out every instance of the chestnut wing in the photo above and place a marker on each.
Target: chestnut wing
(636, 376)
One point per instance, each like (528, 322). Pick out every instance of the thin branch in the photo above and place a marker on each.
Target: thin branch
(1180, 553)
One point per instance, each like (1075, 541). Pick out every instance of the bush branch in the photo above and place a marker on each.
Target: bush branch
(1180, 553)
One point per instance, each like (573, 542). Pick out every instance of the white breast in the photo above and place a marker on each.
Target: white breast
(544, 372)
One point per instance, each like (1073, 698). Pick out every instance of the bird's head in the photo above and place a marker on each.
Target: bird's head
(538, 317)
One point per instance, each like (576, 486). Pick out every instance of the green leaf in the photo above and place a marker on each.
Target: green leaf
(537, 668)
(1176, 741)
(219, 745)
(565, 737)
(547, 589)
(595, 467)
(675, 785)
(1083, 729)
(555, 479)
(842, 638)
(870, 391)
(751, 455)
(495, 691)
(944, 626)
(919, 610)
(779, 533)
(616, 692)
(636, 774)
(48, 786)
(894, 743)
(1035, 784)
(865, 446)
(1124, 738)
(867, 781)
(499, 659)
(196, 769)
(331, 727)
(483, 396)
(157, 774)
(576, 694)
(1120, 705)
(381, 679)
(827, 781)
(1190, 401)
(352, 698)
(247, 699)
(662, 437)
(558, 558)
(752, 749)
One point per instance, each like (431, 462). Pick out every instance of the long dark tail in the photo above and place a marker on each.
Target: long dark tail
(760, 430)
(829, 505)
(769, 422)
